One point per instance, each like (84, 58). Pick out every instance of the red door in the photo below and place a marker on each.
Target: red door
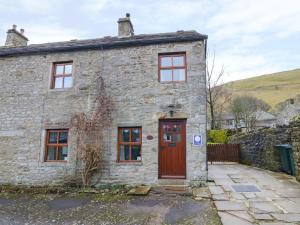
(172, 144)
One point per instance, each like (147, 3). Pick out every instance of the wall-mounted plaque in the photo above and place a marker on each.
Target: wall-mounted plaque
(149, 137)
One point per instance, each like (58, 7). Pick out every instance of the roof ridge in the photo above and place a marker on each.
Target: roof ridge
(104, 43)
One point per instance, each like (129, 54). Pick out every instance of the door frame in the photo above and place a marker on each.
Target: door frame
(184, 150)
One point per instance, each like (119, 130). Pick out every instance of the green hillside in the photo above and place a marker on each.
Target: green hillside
(272, 88)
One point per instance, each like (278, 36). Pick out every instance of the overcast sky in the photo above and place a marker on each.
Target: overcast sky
(250, 37)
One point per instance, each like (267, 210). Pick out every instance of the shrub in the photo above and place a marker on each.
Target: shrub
(218, 136)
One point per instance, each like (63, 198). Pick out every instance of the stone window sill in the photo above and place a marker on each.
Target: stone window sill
(54, 164)
(130, 163)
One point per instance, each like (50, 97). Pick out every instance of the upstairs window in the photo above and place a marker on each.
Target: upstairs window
(130, 144)
(172, 67)
(62, 75)
(56, 145)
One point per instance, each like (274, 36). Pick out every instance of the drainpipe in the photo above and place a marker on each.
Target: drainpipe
(205, 57)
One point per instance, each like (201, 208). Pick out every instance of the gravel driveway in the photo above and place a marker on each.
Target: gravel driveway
(71, 209)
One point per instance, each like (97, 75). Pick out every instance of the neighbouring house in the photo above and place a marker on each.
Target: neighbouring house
(285, 115)
(263, 119)
(157, 85)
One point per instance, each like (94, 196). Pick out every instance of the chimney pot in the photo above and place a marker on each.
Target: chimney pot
(15, 38)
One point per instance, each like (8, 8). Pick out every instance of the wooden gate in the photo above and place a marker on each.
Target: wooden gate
(223, 153)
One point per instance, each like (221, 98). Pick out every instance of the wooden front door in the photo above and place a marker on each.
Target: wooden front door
(172, 144)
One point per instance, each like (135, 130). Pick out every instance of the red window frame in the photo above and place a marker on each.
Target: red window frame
(56, 145)
(63, 75)
(130, 143)
(172, 55)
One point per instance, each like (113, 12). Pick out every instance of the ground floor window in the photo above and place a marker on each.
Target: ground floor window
(56, 145)
(129, 144)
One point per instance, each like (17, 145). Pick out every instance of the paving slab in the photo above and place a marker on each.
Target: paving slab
(288, 205)
(262, 216)
(290, 217)
(276, 223)
(243, 215)
(215, 190)
(229, 219)
(277, 203)
(230, 206)
(220, 197)
(264, 207)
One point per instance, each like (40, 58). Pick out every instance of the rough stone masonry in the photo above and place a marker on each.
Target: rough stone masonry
(129, 66)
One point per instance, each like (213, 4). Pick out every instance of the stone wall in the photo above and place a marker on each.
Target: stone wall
(295, 127)
(257, 147)
(29, 107)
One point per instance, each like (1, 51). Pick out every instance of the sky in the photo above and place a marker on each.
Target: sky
(248, 37)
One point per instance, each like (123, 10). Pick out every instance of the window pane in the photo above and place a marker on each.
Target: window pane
(166, 61)
(51, 153)
(125, 135)
(67, 82)
(63, 137)
(52, 137)
(178, 61)
(58, 82)
(62, 153)
(68, 69)
(166, 75)
(136, 152)
(179, 74)
(135, 135)
(59, 69)
(124, 152)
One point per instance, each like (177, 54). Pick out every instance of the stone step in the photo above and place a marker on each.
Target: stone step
(171, 182)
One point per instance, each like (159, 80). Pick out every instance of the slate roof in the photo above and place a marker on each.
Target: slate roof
(104, 43)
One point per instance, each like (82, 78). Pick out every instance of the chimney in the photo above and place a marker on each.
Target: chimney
(125, 27)
(16, 38)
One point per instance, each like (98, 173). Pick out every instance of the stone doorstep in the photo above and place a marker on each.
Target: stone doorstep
(172, 189)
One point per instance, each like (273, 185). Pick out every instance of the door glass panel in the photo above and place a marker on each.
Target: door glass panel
(63, 153)
(135, 135)
(166, 75)
(51, 153)
(125, 133)
(63, 137)
(176, 137)
(167, 137)
(52, 137)
(166, 61)
(135, 152)
(124, 152)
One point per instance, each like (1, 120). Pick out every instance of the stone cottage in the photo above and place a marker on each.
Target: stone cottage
(157, 84)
